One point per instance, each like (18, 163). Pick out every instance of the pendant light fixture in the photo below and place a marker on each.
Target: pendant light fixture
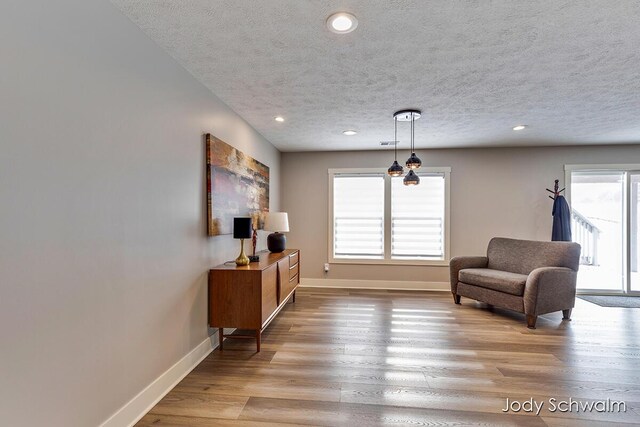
(413, 162)
(395, 169)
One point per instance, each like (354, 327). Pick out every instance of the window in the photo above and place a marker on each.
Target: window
(358, 206)
(417, 218)
(374, 218)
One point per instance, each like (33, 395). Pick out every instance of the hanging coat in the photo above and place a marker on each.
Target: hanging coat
(561, 230)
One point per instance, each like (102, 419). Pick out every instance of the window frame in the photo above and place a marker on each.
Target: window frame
(387, 260)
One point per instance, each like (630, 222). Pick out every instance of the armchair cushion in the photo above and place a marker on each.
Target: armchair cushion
(503, 281)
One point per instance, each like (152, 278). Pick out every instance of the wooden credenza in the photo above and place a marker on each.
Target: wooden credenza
(249, 297)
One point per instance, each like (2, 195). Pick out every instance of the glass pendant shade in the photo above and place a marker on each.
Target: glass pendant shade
(395, 169)
(413, 162)
(411, 178)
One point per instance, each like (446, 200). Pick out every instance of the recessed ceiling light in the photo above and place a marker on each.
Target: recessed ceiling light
(342, 23)
(279, 119)
(349, 132)
(519, 127)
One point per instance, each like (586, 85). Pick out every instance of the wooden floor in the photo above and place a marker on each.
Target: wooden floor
(366, 358)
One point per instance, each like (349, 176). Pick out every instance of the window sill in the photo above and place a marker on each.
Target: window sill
(434, 262)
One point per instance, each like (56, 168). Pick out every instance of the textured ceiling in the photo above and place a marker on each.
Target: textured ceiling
(567, 69)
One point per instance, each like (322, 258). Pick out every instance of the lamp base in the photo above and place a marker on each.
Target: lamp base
(276, 242)
(242, 258)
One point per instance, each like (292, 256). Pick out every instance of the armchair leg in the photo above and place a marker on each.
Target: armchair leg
(456, 298)
(531, 321)
(566, 314)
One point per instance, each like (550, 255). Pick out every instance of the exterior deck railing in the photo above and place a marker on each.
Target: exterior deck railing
(586, 233)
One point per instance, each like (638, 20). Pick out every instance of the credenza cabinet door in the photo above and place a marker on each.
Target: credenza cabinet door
(269, 291)
(234, 299)
(283, 277)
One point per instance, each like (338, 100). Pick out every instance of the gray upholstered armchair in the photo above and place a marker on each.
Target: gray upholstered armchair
(526, 276)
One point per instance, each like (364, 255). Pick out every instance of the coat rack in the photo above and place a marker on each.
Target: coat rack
(555, 191)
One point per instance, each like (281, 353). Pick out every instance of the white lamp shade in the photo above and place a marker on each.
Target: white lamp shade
(277, 221)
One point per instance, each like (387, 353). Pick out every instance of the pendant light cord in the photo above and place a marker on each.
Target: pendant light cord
(412, 149)
(395, 138)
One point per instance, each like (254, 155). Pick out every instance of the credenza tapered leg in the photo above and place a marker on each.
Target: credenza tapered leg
(294, 297)
(258, 333)
(220, 336)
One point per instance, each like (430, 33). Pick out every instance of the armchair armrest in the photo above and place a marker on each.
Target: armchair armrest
(550, 289)
(461, 262)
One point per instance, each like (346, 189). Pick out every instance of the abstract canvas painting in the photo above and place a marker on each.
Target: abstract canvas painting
(237, 185)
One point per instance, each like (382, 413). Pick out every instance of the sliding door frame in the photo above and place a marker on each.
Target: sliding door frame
(630, 209)
(627, 169)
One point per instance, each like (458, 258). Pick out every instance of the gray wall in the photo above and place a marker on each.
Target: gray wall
(494, 192)
(103, 253)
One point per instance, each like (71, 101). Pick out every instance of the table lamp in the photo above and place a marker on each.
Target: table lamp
(278, 222)
(242, 230)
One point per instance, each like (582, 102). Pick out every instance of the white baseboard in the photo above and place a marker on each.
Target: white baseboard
(375, 284)
(142, 403)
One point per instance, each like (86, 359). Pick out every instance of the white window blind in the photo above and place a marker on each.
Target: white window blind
(358, 215)
(417, 218)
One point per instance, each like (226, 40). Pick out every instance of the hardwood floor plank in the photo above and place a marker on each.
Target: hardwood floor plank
(320, 373)
(484, 356)
(155, 420)
(566, 422)
(527, 386)
(274, 345)
(267, 386)
(428, 398)
(352, 414)
(200, 405)
(620, 376)
(379, 362)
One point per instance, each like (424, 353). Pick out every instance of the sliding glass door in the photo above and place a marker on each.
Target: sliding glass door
(597, 219)
(605, 220)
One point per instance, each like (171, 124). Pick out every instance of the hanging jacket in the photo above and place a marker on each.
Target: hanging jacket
(561, 212)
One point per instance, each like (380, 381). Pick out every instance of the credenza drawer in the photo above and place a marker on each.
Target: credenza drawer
(288, 287)
(293, 258)
(293, 271)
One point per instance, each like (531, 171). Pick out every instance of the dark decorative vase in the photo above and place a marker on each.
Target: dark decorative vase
(276, 242)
